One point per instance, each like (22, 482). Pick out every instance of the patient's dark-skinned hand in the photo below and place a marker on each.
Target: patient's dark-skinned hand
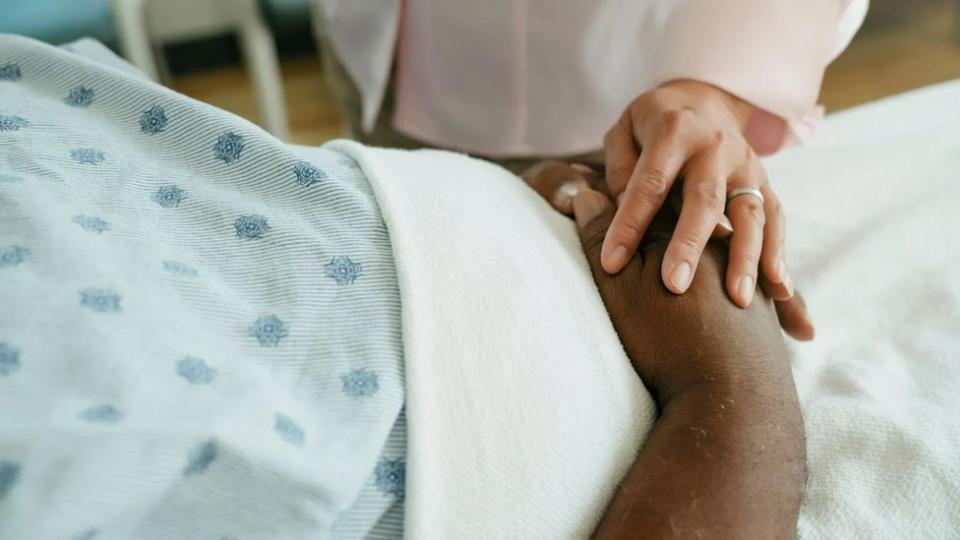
(726, 456)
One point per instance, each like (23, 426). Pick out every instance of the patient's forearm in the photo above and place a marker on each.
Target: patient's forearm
(726, 456)
(723, 461)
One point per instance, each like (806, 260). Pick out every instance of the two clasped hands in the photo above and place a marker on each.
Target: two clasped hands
(682, 145)
(679, 222)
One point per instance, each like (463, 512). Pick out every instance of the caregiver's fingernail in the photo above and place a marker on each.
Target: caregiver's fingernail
(586, 207)
(788, 284)
(813, 328)
(617, 259)
(681, 275)
(725, 225)
(745, 289)
(620, 199)
(781, 270)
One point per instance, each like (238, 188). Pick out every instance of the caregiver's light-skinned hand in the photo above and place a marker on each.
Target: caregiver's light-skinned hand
(558, 183)
(693, 130)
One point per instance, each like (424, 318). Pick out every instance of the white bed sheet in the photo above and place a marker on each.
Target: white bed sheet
(874, 215)
(873, 209)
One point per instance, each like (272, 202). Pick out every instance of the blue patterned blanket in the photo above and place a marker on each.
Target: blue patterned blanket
(199, 325)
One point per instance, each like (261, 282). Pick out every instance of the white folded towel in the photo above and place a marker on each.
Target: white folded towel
(524, 412)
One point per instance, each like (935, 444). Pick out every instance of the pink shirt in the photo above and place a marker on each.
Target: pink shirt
(548, 77)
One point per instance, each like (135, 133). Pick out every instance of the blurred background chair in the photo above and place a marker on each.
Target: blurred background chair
(58, 21)
(145, 25)
(140, 29)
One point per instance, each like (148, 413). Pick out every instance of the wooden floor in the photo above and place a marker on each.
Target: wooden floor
(889, 56)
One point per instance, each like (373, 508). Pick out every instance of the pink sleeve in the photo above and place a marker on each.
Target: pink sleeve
(771, 53)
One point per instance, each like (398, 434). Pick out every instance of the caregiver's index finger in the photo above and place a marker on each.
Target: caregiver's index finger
(647, 190)
(620, 155)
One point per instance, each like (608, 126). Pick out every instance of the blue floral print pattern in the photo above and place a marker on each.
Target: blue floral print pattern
(251, 227)
(100, 300)
(289, 430)
(200, 458)
(184, 265)
(12, 123)
(390, 476)
(179, 268)
(195, 370)
(9, 359)
(169, 196)
(153, 120)
(79, 96)
(360, 383)
(102, 414)
(268, 330)
(10, 72)
(90, 156)
(307, 174)
(9, 474)
(228, 147)
(91, 223)
(343, 270)
(13, 255)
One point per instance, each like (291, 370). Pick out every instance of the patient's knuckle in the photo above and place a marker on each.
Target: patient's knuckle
(538, 175)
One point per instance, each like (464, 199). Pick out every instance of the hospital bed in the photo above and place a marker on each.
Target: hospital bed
(522, 410)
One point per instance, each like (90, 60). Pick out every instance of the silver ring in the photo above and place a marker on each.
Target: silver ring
(736, 192)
